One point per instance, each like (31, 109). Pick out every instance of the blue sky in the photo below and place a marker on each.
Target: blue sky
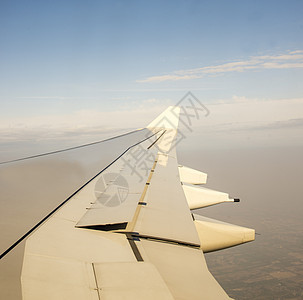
(63, 59)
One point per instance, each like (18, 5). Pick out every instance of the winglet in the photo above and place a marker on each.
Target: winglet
(168, 119)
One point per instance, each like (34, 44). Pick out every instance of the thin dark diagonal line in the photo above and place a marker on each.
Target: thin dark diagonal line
(67, 149)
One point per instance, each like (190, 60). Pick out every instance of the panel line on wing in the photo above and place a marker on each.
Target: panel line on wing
(131, 239)
(132, 223)
(96, 282)
(137, 236)
(156, 140)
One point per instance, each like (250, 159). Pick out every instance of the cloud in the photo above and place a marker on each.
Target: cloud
(230, 122)
(82, 125)
(280, 125)
(25, 136)
(245, 122)
(45, 98)
(289, 60)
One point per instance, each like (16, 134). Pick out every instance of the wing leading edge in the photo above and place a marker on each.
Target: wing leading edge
(129, 233)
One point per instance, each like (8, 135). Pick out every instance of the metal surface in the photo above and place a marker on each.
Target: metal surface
(144, 245)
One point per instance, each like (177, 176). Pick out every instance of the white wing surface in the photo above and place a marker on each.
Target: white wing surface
(129, 233)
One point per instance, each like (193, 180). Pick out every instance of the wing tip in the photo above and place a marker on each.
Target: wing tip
(168, 119)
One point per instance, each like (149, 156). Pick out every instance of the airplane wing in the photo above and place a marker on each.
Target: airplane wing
(129, 232)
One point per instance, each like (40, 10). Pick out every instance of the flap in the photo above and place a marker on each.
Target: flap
(116, 192)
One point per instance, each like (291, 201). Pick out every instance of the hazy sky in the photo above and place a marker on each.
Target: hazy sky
(73, 72)
(90, 67)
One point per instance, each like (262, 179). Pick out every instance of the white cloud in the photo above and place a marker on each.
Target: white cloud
(244, 122)
(236, 98)
(296, 51)
(289, 60)
(230, 122)
(169, 78)
(82, 124)
(45, 98)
